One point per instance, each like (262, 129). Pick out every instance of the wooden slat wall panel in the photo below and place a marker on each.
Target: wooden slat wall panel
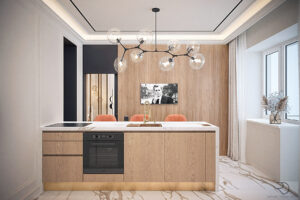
(110, 92)
(99, 88)
(94, 96)
(87, 96)
(99, 93)
(104, 94)
(202, 94)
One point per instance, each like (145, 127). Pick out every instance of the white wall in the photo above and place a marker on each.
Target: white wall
(31, 88)
(279, 19)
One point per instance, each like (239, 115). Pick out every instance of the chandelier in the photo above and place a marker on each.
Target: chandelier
(167, 62)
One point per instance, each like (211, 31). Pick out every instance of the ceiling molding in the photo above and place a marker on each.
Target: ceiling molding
(240, 24)
(165, 31)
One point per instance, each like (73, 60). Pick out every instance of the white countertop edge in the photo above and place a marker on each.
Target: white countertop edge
(121, 126)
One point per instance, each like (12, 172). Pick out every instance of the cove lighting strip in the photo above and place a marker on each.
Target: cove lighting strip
(242, 19)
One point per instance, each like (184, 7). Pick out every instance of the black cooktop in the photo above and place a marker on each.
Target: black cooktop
(69, 125)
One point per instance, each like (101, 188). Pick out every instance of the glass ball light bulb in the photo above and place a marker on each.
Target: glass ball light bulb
(145, 35)
(136, 55)
(174, 45)
(193, 46)
(120, 65)
(166, 63)
(197, 61)
(113, 34)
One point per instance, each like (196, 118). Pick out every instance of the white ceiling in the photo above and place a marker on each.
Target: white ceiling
(209, 21)
(177, 16)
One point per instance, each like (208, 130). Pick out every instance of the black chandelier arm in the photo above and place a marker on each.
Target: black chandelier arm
(153, 51)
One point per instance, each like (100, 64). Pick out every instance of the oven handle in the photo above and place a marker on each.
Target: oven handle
(103, 144)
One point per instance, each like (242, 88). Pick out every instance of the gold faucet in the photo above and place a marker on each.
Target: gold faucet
(147, 111)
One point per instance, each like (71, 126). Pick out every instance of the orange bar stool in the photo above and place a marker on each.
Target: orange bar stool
(138, 117)
(175, 118)
(105, 118)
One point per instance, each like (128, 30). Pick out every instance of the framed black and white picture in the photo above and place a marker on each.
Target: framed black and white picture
(159, 93)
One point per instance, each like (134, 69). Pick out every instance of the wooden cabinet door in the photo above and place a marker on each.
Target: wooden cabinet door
(144, 156)
(62, 168)
(185, 157)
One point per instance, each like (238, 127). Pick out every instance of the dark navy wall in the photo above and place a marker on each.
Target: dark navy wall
(99, 59)
(70, 81)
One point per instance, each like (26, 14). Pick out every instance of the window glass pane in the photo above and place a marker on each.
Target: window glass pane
(292, 81)
(272, 73)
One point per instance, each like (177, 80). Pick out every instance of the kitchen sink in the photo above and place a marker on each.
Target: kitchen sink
(144, 125)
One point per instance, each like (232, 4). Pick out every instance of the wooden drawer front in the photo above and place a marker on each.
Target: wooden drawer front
(62, 136)
(62, 148)
(185, 157)
(62, 168)
(103, 177)
(210, 160)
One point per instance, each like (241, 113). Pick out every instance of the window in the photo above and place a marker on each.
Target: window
(292, 80)
(272, 73)
(281, 74)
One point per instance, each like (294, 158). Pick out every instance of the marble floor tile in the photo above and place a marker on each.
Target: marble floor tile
(236, 181)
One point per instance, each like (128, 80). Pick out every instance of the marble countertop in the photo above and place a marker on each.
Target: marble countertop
(122, 126)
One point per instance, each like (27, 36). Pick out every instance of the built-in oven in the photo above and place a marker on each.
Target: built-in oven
(103, 153)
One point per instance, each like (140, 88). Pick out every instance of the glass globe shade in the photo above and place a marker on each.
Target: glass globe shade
(174, 45)
(136, 55)
(166, 63)
(193, 46)
(113, 34)
(120, 66)
(145, 35)
(197, 61)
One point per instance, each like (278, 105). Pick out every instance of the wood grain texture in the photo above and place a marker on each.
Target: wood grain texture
(210, 157)
(62, 136)
(202, 94)
(62, 148)
(185, 157)
(62, 168)
(99, 88)
(130, 186)
(143, 156)
(103, 177)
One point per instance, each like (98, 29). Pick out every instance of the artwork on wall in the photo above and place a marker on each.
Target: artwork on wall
(159, 93)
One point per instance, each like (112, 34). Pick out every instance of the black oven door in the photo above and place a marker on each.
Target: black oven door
(103, 153)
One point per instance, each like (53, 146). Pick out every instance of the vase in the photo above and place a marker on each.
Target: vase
(275, 118)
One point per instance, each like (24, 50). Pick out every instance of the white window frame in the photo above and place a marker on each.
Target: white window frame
(281, 48)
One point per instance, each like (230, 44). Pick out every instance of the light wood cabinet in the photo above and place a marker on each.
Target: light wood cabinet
(144, 156)
(62, 148)
(62, 136)
(210, 157)
(184, 157)
(62, 168)
(62, 157)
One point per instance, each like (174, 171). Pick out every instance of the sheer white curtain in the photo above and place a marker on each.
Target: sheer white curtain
(236, 107)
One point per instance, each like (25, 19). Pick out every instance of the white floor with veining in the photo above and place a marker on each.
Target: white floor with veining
(237, 181)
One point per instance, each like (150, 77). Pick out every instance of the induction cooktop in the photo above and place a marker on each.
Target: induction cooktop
(69, 125)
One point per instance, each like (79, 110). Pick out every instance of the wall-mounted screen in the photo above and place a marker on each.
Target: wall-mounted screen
(158, 93)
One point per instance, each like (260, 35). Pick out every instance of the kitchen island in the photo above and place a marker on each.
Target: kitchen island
(155, 156)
